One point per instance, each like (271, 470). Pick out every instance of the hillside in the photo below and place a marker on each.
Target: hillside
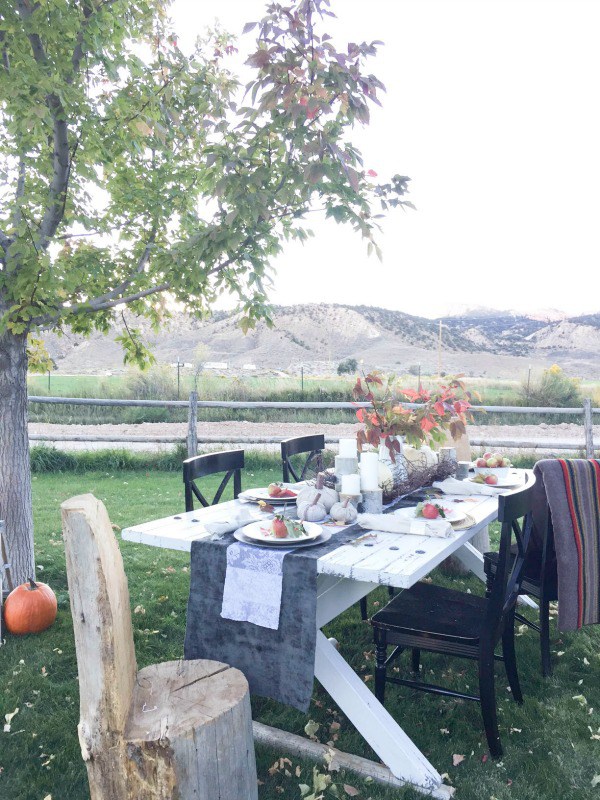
(317, 337)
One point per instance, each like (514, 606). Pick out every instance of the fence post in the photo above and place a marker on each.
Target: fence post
(588, 427)
(192, 434)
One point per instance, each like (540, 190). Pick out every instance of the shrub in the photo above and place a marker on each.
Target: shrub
(347, 366)
(554, 388)
(157, 383)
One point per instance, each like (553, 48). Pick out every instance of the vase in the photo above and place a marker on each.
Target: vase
(392, 474)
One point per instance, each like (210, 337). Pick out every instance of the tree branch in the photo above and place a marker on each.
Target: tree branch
(141, 265)
(19, 192)
(54, 211)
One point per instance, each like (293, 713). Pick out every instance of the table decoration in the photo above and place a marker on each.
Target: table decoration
(347, 448)
(369, 472)
(372, 501)
(390, 523)
(399, 415)
(350, 484)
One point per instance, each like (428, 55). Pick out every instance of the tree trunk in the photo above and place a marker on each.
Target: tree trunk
(15, 475)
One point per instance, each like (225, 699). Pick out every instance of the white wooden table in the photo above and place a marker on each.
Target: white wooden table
(344, 576)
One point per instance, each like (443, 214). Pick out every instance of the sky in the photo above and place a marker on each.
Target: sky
(492, 110)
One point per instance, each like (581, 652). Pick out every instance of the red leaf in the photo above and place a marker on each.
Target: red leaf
(440, 408)
(360, 415)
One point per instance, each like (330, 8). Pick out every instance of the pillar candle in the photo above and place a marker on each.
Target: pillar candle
(350, 484)
(347, 448)
(369, 472)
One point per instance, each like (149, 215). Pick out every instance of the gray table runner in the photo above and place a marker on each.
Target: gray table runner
(277, 663)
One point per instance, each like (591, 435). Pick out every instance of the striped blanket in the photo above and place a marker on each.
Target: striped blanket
(572, 492)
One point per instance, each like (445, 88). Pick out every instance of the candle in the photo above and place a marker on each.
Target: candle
(350, 484)
(347, 448)
(369, 472)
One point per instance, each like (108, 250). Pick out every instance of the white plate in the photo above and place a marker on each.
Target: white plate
(452, 514)
(262, 494)
(325, 536)
(512, 479)
(260, 532)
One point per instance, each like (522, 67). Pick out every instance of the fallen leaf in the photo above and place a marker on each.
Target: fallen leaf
(351, 791)
(457, 759)
(595, 781)
(8, 719)
(444, 731)
(580, 699)
(311, 728)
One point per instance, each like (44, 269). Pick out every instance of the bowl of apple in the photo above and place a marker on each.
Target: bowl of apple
(494, 464)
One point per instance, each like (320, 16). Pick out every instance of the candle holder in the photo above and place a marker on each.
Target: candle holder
(345, 466)
(354, 499)
(372, 501)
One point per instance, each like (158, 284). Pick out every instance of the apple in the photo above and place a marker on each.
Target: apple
(274, 489)
(279, 528)
(491, 463)
(430, 511)
(491, 480)
(481, 462)
(506, 462)
(486, 456)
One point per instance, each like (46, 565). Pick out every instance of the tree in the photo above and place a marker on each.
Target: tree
(348, 366)
(131, 170)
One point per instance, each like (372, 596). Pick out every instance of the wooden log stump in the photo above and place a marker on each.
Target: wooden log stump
(180, 729)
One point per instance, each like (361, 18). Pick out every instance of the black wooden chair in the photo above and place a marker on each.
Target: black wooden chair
(313, 445)
(229, 461)
(440, 620)
(540, 580)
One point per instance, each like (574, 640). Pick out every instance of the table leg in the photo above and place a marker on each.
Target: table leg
(373, 722)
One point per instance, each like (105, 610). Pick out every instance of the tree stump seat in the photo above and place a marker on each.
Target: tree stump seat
(172, 731)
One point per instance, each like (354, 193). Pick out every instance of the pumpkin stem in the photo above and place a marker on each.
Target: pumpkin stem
(320, 481)
(32, 585)
(345, 503)
(316, 500)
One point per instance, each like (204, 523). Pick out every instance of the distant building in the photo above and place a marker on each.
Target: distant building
(216, 365)
(249, 366)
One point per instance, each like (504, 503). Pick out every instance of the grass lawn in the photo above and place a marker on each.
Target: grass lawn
(549, 749)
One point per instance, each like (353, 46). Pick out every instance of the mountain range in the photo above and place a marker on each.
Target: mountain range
(318, 337)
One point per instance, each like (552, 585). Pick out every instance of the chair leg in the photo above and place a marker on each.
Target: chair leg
(391, 592)
(380, 668)
(510, 660)
(363, 609)
(545, 638)
(416, 660)
(487, 694)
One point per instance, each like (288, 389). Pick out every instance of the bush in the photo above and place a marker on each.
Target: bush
(347, 366)
(157, 383)
(554, 388)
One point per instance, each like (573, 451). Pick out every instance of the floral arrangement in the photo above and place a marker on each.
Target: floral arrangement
(435, 412)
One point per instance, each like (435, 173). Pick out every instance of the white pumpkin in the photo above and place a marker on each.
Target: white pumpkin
(344, 512)
(311, 511)
(327, 496)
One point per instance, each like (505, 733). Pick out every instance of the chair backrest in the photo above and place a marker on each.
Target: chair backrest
(231, 462)
(313, 445)
(515, 517)
(101, 616)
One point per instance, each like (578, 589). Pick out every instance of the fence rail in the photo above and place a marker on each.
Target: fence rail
(89, 401)
(193, 404)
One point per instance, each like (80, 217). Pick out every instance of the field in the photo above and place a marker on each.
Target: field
(550, 749)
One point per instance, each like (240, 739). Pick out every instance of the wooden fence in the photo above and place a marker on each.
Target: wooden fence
(193, 404)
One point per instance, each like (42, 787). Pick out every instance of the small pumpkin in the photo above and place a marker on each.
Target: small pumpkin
(311, 511)
(308, 493)
(344, 512)
(30, 608)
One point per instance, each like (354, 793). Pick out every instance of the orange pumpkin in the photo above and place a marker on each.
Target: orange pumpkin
(30, 608)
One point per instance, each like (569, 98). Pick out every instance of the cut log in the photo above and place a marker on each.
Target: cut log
(181, 729)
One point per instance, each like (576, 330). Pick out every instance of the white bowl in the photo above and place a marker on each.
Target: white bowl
(500, 472)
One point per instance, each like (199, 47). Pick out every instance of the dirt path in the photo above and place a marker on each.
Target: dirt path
(562, 432)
